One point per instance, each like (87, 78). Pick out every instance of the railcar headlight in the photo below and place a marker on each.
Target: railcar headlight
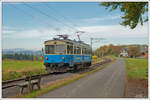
(46, 58)
(63, 58)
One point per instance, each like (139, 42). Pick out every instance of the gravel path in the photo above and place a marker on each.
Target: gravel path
(108, 82)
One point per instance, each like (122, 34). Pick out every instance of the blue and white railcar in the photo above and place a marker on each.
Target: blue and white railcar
(63, 54)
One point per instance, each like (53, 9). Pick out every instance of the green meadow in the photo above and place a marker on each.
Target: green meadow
(12, 69)
(137, 68)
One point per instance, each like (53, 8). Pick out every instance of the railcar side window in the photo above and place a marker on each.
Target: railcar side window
(49, 49)
(78, 50)
(83, 51)
(75, 50)
(69, 49)
(88, 52)
(60, 49)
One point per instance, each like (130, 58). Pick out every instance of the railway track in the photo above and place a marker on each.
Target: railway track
(5, 84)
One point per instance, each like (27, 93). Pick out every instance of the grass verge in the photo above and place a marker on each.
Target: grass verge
(59, 83)
(137, 78)
(137, 68)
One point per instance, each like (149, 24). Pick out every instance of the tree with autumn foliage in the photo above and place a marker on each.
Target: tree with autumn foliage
(133, 12)
(134, 51)
(108, 50)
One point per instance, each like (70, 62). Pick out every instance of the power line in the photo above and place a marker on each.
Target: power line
(32, 16)
(64, 17)
(49, 16)
(76, 31)
(98, 39)
(43, 13)
(21, 10)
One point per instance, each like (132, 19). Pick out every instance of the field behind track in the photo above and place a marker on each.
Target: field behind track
(12, 69)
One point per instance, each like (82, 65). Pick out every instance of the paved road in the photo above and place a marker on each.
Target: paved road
(108, 82)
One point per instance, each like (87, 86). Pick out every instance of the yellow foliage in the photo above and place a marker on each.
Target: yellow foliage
(94, 57)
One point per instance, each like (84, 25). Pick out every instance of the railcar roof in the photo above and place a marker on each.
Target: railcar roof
(70, 41)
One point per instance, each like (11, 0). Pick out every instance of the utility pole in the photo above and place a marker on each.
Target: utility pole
(98, 39)
(91, 44)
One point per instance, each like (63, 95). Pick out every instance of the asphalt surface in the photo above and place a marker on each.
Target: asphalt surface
(106, 83)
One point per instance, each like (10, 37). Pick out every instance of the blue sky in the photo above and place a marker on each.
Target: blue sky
(24, 27)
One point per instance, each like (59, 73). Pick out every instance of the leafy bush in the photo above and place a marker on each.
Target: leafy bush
(94, 57)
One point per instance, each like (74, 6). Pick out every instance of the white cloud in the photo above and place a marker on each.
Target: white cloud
(115, 34)
(113, 31)
(107, 31)
(8, 31)
(44, 33)
(97, 19)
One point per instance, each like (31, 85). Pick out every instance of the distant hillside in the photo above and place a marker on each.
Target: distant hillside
(22, 51)
(131, 45)
(125, 49)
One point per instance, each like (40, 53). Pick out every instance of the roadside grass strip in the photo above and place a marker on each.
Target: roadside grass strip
(137, 78)
(137, 68)
(58, 83)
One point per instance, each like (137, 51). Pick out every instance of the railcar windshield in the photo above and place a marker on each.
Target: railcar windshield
(55, 49)
(49, 49)
(60, 49)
